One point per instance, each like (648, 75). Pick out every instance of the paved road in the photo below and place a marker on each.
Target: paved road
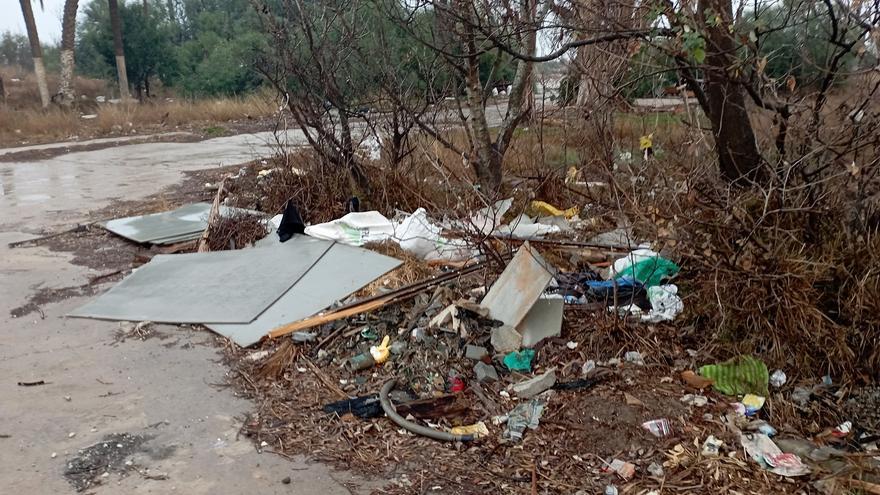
(160, 388)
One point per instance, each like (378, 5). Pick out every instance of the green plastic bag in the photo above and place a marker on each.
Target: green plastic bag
(738, 376)
(520, 360)
(650, 272)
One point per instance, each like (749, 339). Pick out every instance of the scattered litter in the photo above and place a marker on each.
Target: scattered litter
(658, 427)
(695, 400)
(571, 345)
(536, 385)
(485, 372)
(646, 267)
(540, 208)
(753, 403)
(763, 451)
(475, 352)
(505, 339)
(778, 378)
(843, 429)
(519, 360)
(712, 446)
(525, 415)
(32, 384)
(303, 337)
(738, 376)
(588, 367)
(477, 430)
(381, 352)
(625, 470)
(655, 470)
(525, 227)
(354, 229)
(634, 357)
(364, 407)
(419, 236)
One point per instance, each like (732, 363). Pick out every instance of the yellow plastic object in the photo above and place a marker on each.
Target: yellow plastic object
(381, 352)
(477, 430)
(542, 209)
(646, 142)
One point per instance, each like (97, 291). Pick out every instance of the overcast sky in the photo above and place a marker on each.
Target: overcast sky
(48, 19)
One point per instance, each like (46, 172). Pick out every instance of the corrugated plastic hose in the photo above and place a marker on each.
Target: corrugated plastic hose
(409, 425)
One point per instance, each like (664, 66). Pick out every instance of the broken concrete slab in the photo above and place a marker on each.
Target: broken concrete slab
(485, 372)
(475, 352)
(215, 287)
(519, 286)
(506, 339)
(536, 385)
(543, 321)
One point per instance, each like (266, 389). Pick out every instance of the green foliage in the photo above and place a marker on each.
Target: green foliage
(646, 77)
(15, 50)
(795, 39)
(202, 47)
(146, 41)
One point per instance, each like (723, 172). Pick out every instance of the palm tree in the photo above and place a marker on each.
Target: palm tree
(68, 32)
(119, 49)
(36, 50)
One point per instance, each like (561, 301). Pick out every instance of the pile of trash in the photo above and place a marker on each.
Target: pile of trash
(470, 380)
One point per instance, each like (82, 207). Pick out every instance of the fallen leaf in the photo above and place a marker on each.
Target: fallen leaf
(632, 400)
(696, 381)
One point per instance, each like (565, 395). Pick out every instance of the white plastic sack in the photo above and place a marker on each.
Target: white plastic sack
(419, 236)
(523, 227)
(632, 258)
(665, 305)
(355, 229)
(487, 219)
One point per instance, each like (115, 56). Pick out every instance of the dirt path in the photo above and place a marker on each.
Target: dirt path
(167, 389)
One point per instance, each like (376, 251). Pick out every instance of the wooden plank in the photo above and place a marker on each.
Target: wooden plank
(328, 317)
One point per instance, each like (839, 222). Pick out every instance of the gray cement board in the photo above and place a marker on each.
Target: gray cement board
(217, 287)
(167, 227)
(542, 321)
(518, 287)
(341, 271)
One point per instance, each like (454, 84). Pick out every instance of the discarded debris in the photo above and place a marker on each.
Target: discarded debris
(506, 339)
(519, 360)
(525, 415)
(514, 292)
(763, 451)
(32, 384)
(738, 376)
(536, 385)
(658, 427)
(364, 407)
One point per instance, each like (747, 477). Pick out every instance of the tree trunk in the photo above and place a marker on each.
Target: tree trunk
(68, 33)
(36, 51)
(116, 25)
(738, 158)
(487, 166)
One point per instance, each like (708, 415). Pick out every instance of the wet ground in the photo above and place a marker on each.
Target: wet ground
(167, 391)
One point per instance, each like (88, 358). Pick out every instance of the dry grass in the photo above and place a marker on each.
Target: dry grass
(22, 121)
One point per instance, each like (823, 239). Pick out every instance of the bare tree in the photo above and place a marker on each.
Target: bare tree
(119, 48)
(36, 50)
(68, 32)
